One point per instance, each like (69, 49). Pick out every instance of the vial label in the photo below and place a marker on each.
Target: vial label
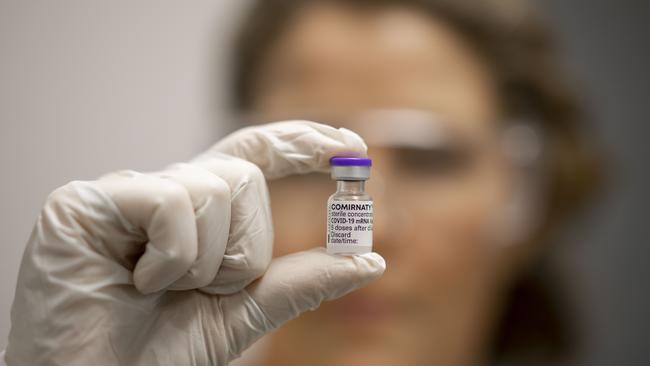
(349, 227)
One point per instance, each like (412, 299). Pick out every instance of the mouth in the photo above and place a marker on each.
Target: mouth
(364, 309)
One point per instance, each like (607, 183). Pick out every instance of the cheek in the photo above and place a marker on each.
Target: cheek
(450, 241)
(452, 244)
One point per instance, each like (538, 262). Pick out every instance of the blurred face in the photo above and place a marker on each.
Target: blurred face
(435, 200)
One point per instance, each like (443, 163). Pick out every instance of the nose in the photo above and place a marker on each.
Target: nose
(390, 225)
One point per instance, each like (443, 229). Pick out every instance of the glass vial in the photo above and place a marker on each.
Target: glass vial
(350, 209)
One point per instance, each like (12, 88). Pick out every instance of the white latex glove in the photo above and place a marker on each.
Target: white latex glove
(97, 277)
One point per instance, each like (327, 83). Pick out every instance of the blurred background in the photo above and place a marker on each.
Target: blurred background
(91, 87)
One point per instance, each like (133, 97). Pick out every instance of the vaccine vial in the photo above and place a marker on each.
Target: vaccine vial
(349, 210)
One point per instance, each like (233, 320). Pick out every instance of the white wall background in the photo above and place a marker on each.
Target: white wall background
(88, 87)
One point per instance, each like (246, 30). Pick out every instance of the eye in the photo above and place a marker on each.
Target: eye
(441, 161)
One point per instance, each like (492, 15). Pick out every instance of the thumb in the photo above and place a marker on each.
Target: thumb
(292, 285)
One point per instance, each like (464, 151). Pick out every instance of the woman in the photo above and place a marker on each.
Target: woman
(435, 87)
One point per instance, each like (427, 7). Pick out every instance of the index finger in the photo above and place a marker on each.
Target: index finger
(293, 147)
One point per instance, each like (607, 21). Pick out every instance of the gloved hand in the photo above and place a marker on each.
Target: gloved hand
(175, 267)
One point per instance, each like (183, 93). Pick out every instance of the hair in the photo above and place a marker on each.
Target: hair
(518, 47)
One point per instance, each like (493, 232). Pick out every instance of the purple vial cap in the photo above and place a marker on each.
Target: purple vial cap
(350, 161)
